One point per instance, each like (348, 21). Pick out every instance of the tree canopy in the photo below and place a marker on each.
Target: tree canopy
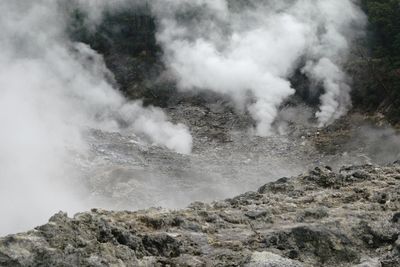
(382, 91)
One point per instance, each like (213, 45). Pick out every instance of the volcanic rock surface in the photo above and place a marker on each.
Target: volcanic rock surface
(321, 218)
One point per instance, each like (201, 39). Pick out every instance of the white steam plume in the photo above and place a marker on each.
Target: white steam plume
(237, 47)
(51, 92)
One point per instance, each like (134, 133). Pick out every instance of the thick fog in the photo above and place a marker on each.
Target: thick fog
(51, 92)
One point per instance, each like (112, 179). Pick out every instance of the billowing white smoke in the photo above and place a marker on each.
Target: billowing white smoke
(51, 92)
(239, 47)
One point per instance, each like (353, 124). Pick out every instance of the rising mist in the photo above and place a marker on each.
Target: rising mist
(53, 90)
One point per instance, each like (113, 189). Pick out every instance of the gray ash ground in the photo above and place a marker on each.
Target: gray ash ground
(329, 216)
(124, 172)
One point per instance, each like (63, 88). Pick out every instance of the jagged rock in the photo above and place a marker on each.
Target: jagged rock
(321, 218)
(324, 177)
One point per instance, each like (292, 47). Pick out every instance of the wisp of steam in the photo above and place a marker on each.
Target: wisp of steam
(52, 90)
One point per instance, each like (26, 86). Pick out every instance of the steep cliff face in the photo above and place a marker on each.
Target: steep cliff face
(321, 218)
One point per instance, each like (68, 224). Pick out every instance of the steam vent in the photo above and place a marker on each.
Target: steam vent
(203, 133)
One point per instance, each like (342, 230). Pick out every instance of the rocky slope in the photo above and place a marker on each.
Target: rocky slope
(321, 218)
(124, 172)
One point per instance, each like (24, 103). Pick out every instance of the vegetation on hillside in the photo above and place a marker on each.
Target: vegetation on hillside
(382, 90)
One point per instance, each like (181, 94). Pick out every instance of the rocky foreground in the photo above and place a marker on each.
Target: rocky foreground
(322, 218)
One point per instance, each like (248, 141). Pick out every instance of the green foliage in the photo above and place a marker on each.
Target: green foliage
(384, 18)
(384, 65)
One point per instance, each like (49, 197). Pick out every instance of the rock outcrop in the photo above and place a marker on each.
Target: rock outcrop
(321, 218)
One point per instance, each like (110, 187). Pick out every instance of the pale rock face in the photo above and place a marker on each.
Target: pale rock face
(368, 262)
(268, 259)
